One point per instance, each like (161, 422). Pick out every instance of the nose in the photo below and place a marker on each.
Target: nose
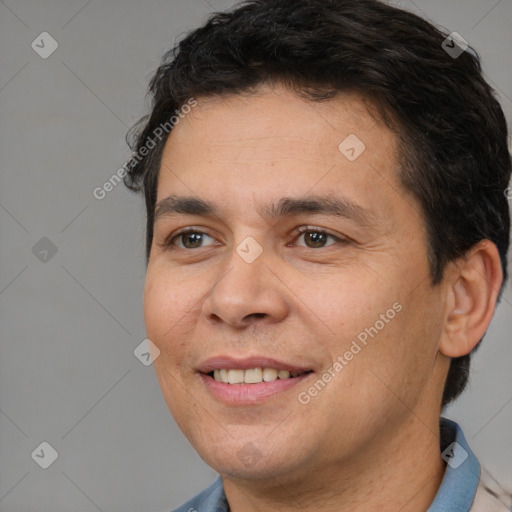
(246, 293)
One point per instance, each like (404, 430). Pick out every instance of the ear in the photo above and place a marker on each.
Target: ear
(473, 284)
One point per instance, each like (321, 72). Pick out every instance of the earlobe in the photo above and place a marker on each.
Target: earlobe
(473, 284)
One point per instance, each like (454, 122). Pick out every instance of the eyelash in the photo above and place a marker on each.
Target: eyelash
(168, 242)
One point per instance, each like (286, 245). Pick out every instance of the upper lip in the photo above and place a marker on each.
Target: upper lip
(247, 363)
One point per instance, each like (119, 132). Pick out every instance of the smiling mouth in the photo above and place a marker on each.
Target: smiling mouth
(253, 375)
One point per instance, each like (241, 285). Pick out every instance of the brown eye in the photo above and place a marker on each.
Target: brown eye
(189, 239)
(317, 238)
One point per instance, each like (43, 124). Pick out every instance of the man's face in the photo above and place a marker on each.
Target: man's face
(247, 289)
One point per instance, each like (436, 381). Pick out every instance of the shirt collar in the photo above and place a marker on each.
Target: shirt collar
(462, 473)
(456, 493)
(211, 499)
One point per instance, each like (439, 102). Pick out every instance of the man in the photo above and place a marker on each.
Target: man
(327, 232)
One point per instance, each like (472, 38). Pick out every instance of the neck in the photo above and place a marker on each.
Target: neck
(394, 472)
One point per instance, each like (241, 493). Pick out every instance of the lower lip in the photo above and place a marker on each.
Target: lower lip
(247, 394)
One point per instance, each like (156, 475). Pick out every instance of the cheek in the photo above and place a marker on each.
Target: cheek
(165, 317)
(155, 307)
(350, 303)
(167, 326)
(401, 359)
(168, 304)
(386, 328)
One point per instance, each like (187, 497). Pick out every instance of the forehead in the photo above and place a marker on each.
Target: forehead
(235, 147)
(275, 118)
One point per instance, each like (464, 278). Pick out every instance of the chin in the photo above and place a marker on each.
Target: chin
(247, 460)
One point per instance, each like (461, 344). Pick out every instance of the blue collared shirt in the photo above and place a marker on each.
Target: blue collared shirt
(457, 492)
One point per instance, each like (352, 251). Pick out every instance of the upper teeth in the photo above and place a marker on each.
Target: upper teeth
(252, 376)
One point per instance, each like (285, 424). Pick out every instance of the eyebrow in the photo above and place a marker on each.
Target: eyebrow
(284, 207)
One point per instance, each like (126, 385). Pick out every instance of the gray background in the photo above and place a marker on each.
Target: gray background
(69, 325)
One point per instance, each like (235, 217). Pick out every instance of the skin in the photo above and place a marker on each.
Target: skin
(370, 439)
